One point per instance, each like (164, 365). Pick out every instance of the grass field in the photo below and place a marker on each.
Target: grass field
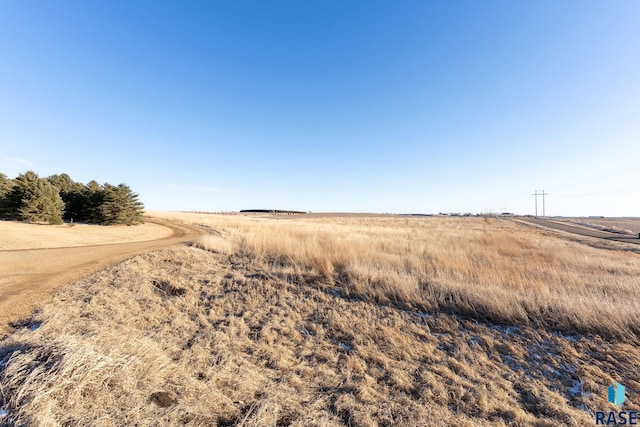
(488, 269)
(336, 321)
(625, 225)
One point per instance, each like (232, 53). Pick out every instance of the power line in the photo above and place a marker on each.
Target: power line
(540, 193)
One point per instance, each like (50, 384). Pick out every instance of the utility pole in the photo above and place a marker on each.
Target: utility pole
(540, 193)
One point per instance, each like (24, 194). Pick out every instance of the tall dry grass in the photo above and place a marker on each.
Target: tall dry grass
(618, 225)
(487, 269)
(334, 322)
(189, 337)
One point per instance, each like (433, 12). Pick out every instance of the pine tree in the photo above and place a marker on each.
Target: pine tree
(73, 195)
(6, 185)
(33, 199)
(121, 206)
(92, 199)
(23, 184)
(62, 182)
(42, 203)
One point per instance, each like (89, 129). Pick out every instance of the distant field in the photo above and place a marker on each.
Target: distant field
(491, 268)
(628, 225)
(336, 321)
(18, 235)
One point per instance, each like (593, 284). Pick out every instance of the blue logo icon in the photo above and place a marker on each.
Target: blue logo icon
(616, 394)
(617, 417)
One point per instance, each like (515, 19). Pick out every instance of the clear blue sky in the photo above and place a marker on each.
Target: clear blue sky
(413, 106)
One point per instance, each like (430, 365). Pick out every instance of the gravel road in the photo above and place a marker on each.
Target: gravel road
(28, 276)
(583, 231)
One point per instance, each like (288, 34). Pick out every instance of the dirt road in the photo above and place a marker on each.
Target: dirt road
(583, 231)
(28, 276)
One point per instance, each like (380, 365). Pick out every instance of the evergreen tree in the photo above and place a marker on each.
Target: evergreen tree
(24, 184)
(92, 199)
(76, 203)
(73, 195)
(42, 203)
(6, 185)
(32, 199)
(62, 182)
(121, 206)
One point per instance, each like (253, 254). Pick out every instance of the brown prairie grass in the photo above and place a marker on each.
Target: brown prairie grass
(620, 225)
(487, 269)
(330, 323)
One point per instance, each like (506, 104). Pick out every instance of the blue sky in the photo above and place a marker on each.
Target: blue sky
(364, 106)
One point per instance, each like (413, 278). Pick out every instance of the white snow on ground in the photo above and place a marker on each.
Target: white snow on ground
(539, 364)
(3, 413)
(575, 389)
(346, 347)
(34, 325)
(476, 340)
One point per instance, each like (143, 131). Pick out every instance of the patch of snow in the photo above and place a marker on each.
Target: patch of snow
(346, 347)
(476, 340)
(513, 364)
(575, 390)
(34, 325)
(584, 407)
(3, 413)
(421, 317)
(506, 329)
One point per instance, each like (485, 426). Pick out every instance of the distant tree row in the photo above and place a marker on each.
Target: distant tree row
(56, 198)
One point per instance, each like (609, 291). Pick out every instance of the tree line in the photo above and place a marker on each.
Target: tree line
(58, 198)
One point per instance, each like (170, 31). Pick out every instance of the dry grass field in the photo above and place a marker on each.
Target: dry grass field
(356, 321)
(19, 235)
(621, 225)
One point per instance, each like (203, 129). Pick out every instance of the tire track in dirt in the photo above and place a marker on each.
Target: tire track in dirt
(28, 276)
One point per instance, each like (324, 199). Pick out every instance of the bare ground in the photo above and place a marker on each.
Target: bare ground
(27, 276)
(20, 235)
